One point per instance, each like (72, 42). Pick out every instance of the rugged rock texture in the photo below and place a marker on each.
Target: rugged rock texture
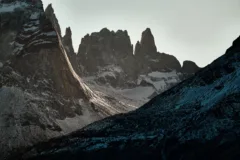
(146, 46)
(68, 45)
(104, 48)
(107, 64)
(41, 95)
(197, 119)
(106, 51)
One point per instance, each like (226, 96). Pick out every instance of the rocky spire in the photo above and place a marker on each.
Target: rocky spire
(67, 40)
(235, 46)
(104, 48)
(147, 44)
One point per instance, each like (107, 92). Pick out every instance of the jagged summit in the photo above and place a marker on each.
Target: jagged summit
(106, 61)
(67, 40)
(68, 32)
(104, 48)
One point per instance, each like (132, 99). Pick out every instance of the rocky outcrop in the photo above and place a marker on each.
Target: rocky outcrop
(68, 45)
(107, 50)
(190, 67)
(67, 40)
(235, 46)
(197, 119)
(146, 46)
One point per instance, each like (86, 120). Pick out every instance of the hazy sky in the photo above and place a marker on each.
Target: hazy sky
(198, 30)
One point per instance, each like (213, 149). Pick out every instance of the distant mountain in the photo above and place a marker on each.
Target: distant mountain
(106, 62)
(197, 119)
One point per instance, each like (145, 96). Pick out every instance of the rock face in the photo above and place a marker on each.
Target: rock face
(41, 95)
(108, 65)
(197, 119)
(103, 49)
(67, 40)
(147, 45)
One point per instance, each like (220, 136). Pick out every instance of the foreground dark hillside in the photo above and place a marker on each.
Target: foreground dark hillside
(197, 119)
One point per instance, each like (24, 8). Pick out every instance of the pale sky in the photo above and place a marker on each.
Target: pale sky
(198, 30)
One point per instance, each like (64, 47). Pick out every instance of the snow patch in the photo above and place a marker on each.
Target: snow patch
(11, 7)
(33, 29)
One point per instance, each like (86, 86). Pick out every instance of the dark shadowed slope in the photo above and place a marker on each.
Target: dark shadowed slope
(197, 119)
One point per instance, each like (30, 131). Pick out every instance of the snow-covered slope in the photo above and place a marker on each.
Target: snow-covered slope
(141, 91)
(197, 119)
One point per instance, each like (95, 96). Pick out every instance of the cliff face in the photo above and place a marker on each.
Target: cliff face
(68, 45)
(104, 48)
(41, 95)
